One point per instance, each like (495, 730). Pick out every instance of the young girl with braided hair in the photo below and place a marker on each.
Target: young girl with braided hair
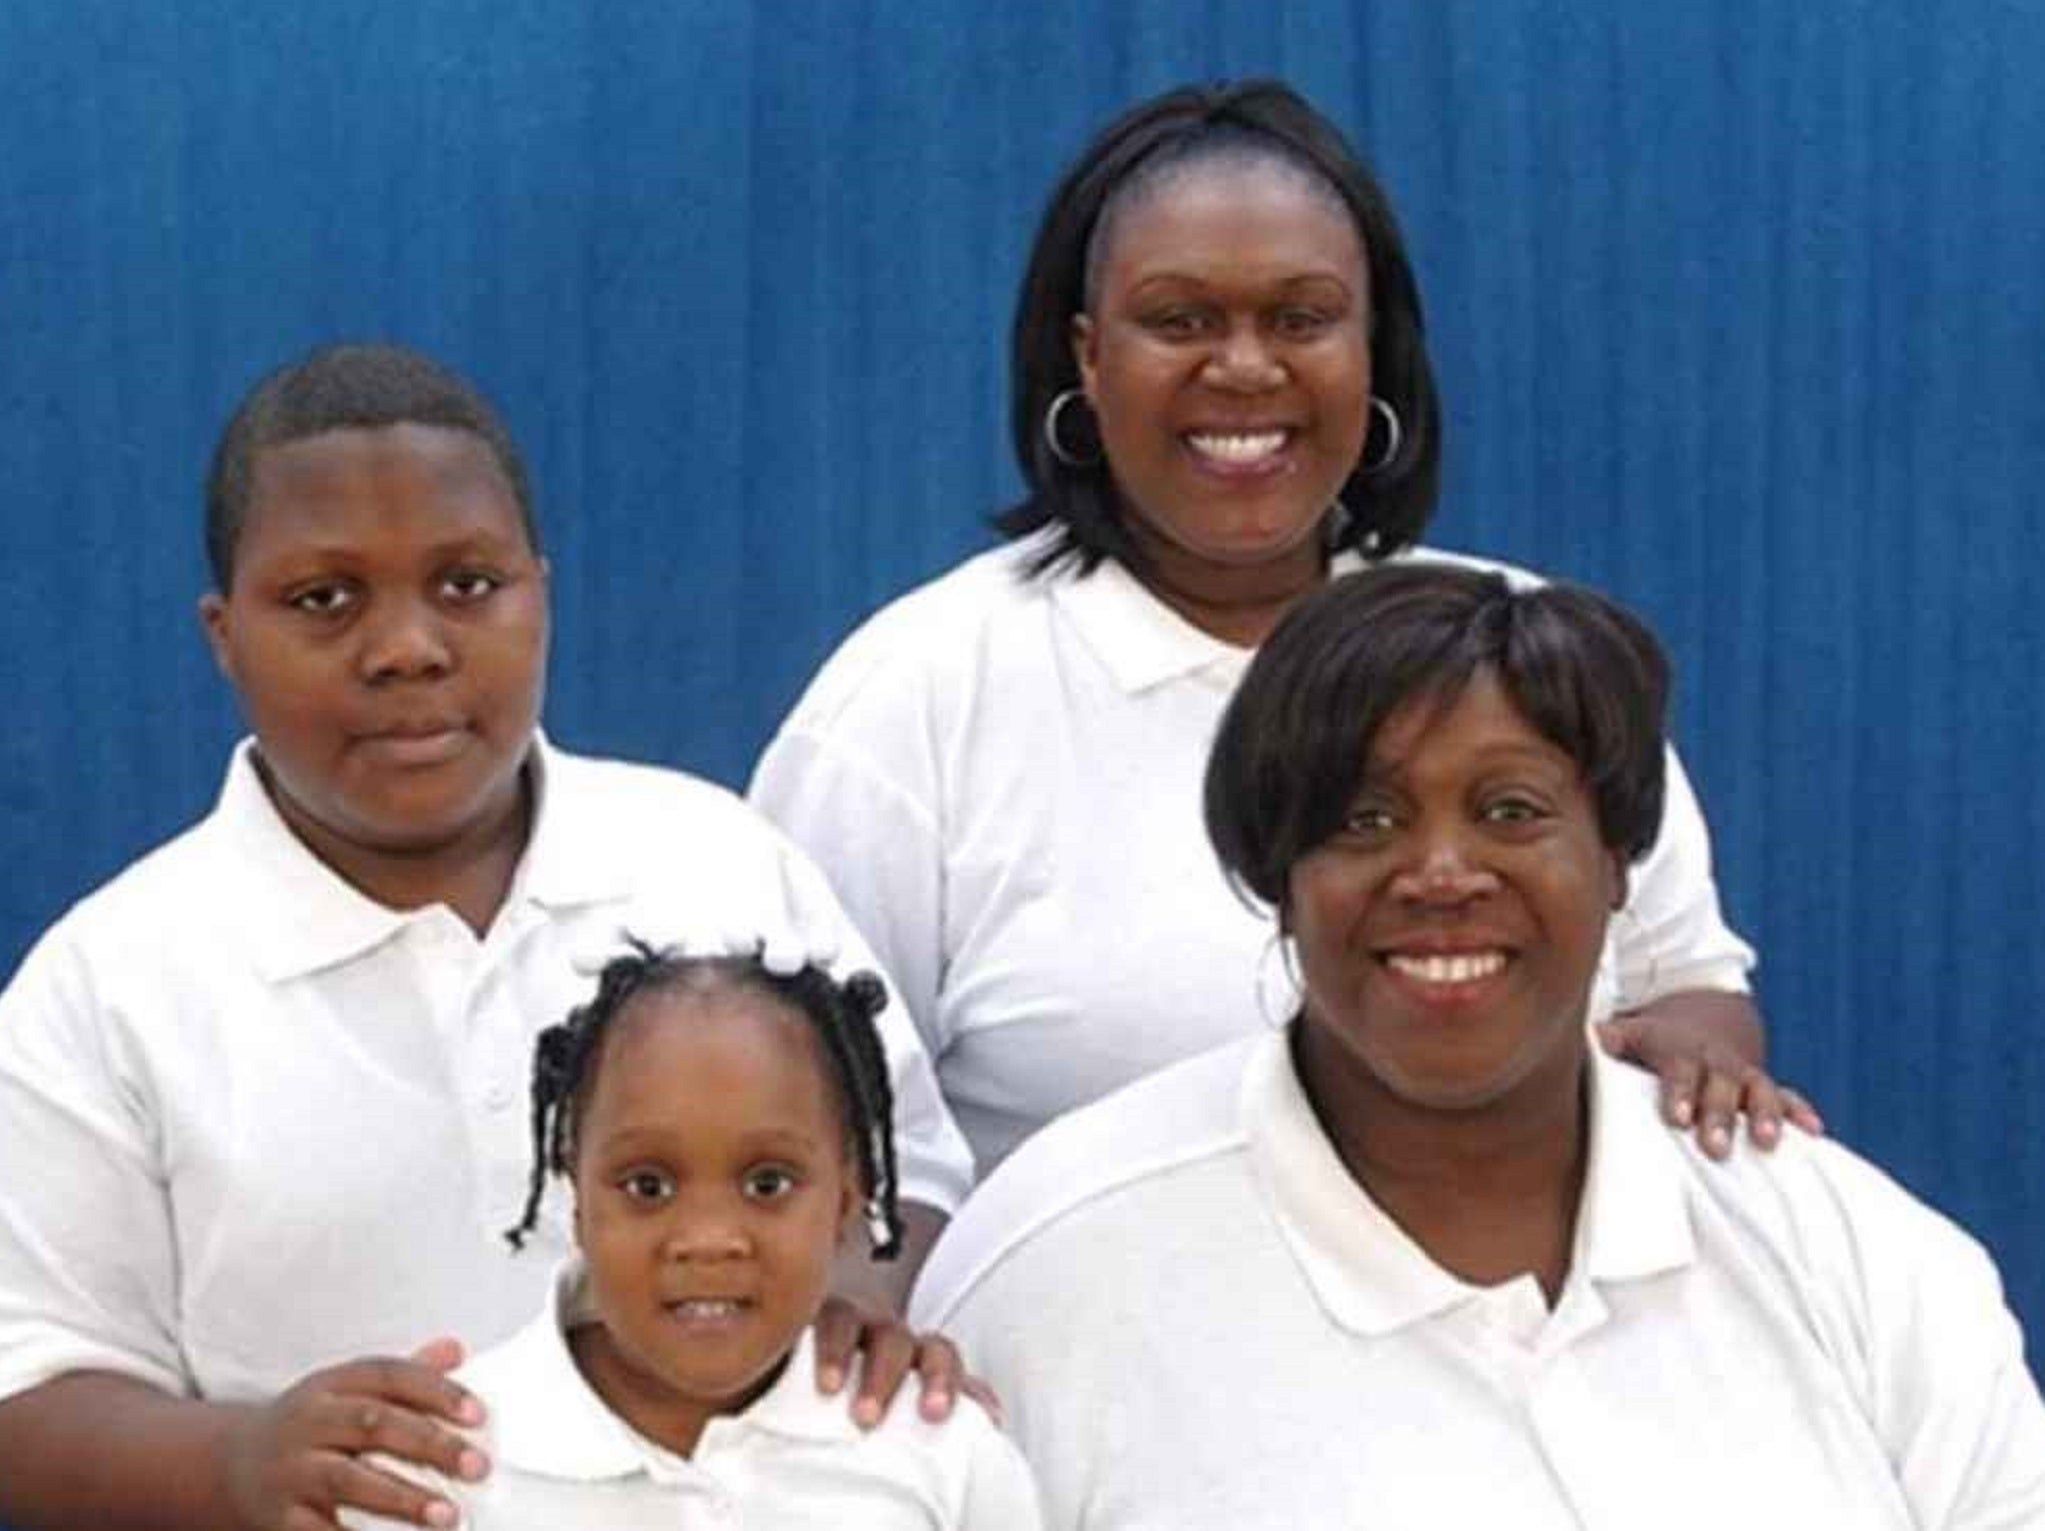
(724, 1121)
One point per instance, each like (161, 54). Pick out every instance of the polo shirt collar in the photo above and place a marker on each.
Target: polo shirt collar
(1373, 1279)
(546, 1419)
(303, 916)
(1138, 639)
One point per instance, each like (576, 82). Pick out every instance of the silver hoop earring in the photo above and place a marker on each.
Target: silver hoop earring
(1395, 436)
(1280, 1016)
(1052, 444)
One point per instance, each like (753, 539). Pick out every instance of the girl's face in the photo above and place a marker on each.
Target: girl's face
(713, 1181)
(1227, 357)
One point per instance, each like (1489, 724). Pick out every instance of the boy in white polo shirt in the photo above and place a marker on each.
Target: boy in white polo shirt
(267, 1081)
(724, 1123)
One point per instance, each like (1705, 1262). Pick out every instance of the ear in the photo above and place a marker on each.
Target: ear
(213, 618)
(851, 1224)
(1086, 349)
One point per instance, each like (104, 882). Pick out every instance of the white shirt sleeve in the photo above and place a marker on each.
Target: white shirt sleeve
(935, 1163)
(1671, 936)
(1915, 1312)
(88, 1262)
(1000, 1493)
(871, 825)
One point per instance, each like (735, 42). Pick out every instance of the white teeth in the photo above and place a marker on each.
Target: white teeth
(707, 1308)
(1461, 968)
(1237, 447)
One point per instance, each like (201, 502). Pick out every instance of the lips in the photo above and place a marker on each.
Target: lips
(1238, 450)
(1441, 969)
(417, 741)
(1447, 973)
(708, 1312)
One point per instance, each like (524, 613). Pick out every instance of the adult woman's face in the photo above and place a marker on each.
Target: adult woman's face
(1226, 354)
(1449, 931)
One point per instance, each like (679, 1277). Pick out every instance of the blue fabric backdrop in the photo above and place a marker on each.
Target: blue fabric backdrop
(1737, 306)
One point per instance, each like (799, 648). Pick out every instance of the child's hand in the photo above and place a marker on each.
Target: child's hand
(292, 1464)
(890, 1350)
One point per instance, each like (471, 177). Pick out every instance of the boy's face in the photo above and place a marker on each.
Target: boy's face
(712, 1184)
(387, 634)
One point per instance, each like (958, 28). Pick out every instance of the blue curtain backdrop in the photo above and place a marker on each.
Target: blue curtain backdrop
(1738, 305)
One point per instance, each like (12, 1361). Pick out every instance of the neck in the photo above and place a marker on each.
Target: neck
(471, 872)
(664, 1415)
(1490, 1193)
(1237, 603)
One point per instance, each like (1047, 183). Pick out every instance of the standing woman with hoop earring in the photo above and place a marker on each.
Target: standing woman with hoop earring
(1220, 397)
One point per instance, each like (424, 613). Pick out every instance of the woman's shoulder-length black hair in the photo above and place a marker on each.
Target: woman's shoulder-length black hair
(1388, 505)
(1586, 674)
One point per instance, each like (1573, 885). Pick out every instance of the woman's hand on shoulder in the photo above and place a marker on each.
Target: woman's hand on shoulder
(1706, 1048)
(293, 1464)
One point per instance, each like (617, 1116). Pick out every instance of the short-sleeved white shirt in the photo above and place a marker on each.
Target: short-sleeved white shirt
(794, 1460)
(256, 1122)
(1001, 777)
(1197, 1319)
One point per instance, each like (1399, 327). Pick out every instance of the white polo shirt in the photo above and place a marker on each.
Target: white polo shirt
(256, 1122)
(562, 1461)
(1001, 777)
(1196, 1319)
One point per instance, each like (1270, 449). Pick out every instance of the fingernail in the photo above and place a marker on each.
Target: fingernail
(831, 1378)
(441, 1513)
(1683, 1113)
(470, 1412)
(1718, 1139)
(866, 1412)
(473, 1465)
(936, 1403)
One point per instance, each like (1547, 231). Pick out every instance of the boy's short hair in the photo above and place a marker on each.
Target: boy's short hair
(345, 387)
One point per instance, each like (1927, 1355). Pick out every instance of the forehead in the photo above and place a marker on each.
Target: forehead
(1434, 733)
(683, 1056)
(371, 484)
(1261, 216)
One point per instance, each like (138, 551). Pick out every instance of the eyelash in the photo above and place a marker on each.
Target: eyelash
(462, 587)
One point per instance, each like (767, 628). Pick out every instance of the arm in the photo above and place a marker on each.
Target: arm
(1001, 1494)
(97, 1427)
(1913, 1310)
(1684, 1009)
(91, 1449)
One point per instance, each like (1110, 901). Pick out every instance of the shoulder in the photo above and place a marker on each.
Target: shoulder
(149, 910)
(1098, 1164)
(621, 803)
(1840, 1228)
(923, 638)
(603, 779)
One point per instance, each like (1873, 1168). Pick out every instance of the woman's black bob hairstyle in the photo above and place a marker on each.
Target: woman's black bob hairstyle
(1586, 675)
(1389, 506)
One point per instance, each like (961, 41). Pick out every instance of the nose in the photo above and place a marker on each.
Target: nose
(705, 1234)
(405, 640)
(1243, 361)
(1446, 871)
